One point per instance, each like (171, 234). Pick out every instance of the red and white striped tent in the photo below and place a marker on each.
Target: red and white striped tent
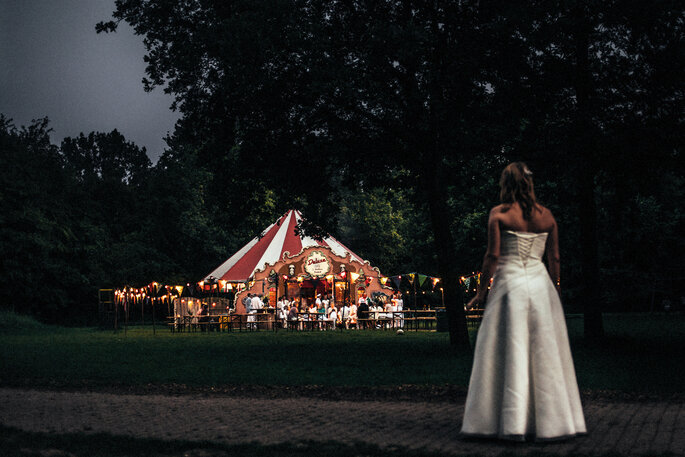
(277, 239)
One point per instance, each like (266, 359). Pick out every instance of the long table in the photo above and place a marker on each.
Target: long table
(408, 319)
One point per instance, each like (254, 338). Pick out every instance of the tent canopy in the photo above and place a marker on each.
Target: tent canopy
(269, 247)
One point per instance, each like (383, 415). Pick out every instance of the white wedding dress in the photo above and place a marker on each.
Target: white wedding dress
(523, 383)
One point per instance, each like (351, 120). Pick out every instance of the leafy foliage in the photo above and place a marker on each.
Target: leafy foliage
(387, 123)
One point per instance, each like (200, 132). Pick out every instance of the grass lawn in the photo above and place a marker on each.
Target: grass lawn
(641, 354)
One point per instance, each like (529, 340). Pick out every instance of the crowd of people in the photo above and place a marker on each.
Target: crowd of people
(322, 313)
(319, 312)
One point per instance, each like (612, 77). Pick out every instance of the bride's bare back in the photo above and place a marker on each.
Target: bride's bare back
(510, 217)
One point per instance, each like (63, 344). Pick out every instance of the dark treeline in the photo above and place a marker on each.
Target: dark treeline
(387, 123)
(94, 213)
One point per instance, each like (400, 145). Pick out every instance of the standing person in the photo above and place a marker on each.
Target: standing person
(203, 317)
(363, 314)
(353, 316)
(321, 315)
(523, 383)
(247, 301)
(333, 316)
(345, 315)
(256, 305)
(399, 305)
(281, 311)
(390, 309)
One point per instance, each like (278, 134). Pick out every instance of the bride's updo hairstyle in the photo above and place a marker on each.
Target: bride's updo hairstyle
(516, 185)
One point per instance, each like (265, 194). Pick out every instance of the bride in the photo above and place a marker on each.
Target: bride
(523, 383)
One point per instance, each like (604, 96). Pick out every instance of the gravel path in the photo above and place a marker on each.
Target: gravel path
(628, 428)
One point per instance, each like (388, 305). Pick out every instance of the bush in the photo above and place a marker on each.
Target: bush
(12, 321)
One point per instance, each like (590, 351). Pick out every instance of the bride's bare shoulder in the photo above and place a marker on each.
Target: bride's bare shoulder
(544, 211)
(500, 209)
(545, 216)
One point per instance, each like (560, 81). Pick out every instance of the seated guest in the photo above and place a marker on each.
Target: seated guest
(312, 314)
(374, 314)
(390, 309)
(293, 315)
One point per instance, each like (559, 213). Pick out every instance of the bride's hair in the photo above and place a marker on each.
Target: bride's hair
(516, 185)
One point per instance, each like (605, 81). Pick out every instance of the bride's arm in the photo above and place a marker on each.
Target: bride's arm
(489, 260)
(553, 258)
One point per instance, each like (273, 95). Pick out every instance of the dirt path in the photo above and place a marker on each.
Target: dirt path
(629, 428)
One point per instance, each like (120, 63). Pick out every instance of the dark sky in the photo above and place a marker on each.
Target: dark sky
(52, 63)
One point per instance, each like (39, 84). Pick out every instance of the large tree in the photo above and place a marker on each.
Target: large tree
(305, 96)
(288, 101)
(37, 236)
(604, 97)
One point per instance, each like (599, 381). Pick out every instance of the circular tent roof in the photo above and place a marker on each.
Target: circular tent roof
(269, 247)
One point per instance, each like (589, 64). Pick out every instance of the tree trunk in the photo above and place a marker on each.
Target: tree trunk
(593, 325)
(586, 169)
(447, 256)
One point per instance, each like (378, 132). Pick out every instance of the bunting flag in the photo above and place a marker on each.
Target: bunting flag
(161, 291)
(396, 280)
(422, 279)
(411, 278)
